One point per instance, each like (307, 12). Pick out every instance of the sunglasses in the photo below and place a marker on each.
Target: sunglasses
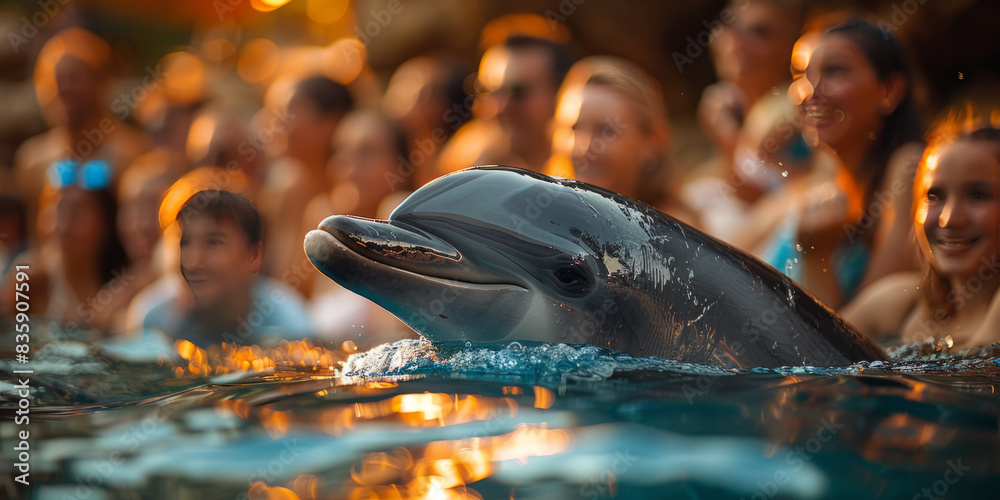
(91, 175)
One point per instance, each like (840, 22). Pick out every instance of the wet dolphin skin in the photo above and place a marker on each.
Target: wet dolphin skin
(497, 254)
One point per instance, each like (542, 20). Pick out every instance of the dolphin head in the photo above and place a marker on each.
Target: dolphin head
(490, 254)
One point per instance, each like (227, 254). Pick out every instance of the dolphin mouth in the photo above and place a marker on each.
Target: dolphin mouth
(398, 246)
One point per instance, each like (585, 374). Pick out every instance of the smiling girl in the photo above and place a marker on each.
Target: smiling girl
(843, 226)
(957, 222)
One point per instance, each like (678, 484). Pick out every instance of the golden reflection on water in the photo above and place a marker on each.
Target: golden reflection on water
(438, 469)
(288, 355)
(444, 469)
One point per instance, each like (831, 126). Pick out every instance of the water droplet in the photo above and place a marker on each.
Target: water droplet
(515, 346)
(558, 319)
(784, 173)
(961, 76)
(468, 344)
(798, 247)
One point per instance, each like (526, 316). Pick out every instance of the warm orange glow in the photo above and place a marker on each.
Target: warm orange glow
(492, 68)
(197, 180)
(274, 422)
(267, 5)
(258, 60)
(464, 467)
(466, 146)
(335, 421)
(544, 398)
(381, 385)
(326, 11)
(422, 407)
(382, 468)
(502, 28)
(199, 138)
(306, 486)
(73, 42)
(184, 79)
(559, 166)
(344, 60)
(261, 491)
(530, 441)
(218, 50)
(236, 407)
(294, 356)
(444, 468)
(801, 89)
(916, 393)
(368, 411)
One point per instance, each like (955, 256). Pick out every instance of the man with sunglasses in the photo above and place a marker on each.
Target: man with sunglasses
(533, 69)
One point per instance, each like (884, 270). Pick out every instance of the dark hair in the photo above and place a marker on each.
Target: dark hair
(904, 125)
(452, 91)
(327, 96)
(111, 254)
(223, 205)
(560, 56)
(400, 142)
(14, 208)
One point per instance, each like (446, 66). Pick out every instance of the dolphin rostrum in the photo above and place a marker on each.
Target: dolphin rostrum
(501, 254)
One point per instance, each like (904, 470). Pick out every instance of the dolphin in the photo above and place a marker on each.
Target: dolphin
(497, 254)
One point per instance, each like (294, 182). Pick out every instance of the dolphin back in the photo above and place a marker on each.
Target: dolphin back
(694, 298)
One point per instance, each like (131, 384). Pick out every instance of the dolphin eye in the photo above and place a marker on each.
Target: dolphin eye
(573, 279)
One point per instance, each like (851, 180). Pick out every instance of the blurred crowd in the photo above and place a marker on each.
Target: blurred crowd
(822, 165)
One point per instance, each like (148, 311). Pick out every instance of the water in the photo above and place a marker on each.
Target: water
(521, 420)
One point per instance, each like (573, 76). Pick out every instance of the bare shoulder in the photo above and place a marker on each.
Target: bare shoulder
(881, 307)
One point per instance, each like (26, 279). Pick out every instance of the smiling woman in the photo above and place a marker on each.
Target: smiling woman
(840, 228)
(957, 221)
